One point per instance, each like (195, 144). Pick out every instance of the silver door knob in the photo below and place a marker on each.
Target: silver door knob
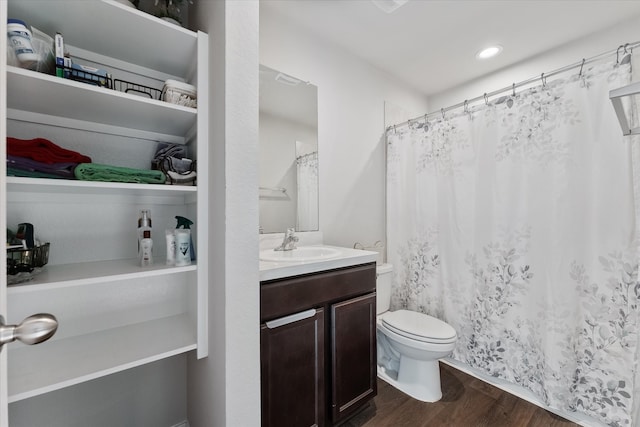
(32, 330)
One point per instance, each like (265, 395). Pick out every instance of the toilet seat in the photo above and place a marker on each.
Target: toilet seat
(419, 326)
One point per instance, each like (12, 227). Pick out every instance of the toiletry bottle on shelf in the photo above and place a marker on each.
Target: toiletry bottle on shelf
(19, 36)
(183, 241)
(144, 233)
(171, 246)
(186, 224)
(146, 248)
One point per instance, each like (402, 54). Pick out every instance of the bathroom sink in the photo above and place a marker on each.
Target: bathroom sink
(300, 254)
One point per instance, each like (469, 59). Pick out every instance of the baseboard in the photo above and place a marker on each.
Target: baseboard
(522, 393)
(184, 423)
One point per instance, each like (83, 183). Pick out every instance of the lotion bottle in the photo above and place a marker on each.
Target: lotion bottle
(146, 255)
(171, 246)
(144, 232)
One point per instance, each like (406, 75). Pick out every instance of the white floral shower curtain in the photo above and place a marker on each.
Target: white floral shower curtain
(514, 222)
(307, 176)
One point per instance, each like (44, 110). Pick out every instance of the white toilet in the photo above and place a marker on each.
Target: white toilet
(410, 344)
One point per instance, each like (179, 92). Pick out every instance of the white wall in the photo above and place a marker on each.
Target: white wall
(351, 97)
(598, 43)
(224, 388)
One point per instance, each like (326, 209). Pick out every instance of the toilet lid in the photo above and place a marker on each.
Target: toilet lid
(419, 326)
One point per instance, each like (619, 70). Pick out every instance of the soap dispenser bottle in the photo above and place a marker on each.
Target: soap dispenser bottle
(145, 244)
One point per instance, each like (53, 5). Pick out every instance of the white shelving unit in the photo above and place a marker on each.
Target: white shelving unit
(101, 106)
(88, 273)
(113, 314)
(95, 355)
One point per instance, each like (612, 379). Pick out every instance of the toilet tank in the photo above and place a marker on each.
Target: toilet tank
(384, 273)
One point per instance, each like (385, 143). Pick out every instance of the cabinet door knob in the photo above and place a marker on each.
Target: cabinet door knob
(32, 330)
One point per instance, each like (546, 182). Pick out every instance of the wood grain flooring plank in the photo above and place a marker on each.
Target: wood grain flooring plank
(498, 416)
(466, 402)
(544, 418)
(471, 408)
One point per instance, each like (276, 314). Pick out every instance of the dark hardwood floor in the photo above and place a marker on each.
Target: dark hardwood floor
(466, 402)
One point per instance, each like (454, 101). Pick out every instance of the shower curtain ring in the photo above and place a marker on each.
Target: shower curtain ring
(486, 99)
(543, 79)
(513, 90)
(466, 106)
(618, 54)
(442, 111)
(581, 67)
(425, 127)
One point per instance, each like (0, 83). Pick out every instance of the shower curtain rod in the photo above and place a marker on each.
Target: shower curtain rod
(627, 49)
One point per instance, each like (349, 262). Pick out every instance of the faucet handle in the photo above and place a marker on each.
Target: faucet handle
(288, 243)
(291, 238)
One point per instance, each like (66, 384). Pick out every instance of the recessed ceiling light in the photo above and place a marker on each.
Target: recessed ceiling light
(389, 6)
(489, 52)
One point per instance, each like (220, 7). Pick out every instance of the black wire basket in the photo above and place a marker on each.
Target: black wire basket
(136, 89)
(21, 260)
(88, 77)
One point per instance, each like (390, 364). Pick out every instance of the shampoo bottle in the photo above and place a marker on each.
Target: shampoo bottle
(144, 233)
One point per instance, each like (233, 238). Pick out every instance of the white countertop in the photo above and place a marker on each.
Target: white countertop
(270, 270)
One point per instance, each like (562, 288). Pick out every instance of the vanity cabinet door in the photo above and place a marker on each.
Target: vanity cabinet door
(292, 370)
(353, 355)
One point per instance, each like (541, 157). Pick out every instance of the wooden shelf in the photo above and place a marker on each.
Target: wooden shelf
(88, 273)
(61, 363)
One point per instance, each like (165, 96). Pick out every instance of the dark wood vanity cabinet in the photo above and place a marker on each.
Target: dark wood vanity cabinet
(318, 346)
(292, 361)
(353, 355)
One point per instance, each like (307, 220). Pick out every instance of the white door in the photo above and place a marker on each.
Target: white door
(35, 328)
(4, 422)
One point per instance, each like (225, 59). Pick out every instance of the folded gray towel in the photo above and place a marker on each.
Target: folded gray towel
(172, 160)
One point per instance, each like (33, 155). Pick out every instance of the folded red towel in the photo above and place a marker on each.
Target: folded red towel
(43, 150)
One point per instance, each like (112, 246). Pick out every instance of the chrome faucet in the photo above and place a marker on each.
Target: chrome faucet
(289, 241)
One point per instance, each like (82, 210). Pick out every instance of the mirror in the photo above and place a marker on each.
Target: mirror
(288, 153)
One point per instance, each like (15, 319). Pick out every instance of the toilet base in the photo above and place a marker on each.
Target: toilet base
(419, 379)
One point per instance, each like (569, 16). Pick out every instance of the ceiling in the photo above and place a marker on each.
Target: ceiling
(431, 45)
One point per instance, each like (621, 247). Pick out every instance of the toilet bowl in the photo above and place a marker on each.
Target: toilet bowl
(410, 344)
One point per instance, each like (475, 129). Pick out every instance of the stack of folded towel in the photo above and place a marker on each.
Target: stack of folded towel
(41, 158)
(107, 173)
(172, 160)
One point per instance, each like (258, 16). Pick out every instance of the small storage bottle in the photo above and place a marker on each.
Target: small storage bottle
(144, 232)
(19, 37)
(183, 245)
